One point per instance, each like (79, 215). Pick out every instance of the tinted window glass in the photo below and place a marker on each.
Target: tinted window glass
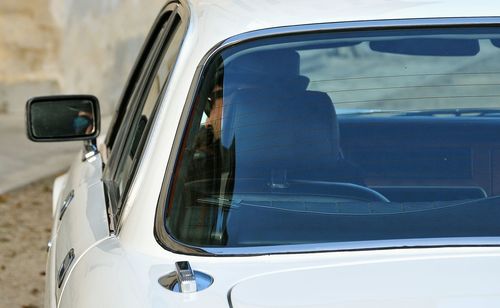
(340, 137)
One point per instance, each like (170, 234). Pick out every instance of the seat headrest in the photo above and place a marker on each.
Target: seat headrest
(282, 62)
(274, 131)
(265, 68)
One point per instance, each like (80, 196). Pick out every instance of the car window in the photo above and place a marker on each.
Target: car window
(342, 137)
(167, 50)
(135, 82)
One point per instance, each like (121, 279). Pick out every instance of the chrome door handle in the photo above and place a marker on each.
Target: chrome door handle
(63, 269)
(66, 202)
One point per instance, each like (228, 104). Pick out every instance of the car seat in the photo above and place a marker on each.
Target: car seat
(278, 128)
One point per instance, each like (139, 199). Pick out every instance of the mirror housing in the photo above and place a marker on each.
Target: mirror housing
(62, 118)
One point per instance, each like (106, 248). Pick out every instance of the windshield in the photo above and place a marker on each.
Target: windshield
(341, 137)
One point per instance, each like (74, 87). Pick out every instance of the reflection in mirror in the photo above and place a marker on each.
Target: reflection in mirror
(71, 118)
(62, 119)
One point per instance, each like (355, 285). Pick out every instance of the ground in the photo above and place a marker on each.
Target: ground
(25, 223)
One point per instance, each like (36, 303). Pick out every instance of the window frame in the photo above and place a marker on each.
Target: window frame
(133, 100)
(134, 79)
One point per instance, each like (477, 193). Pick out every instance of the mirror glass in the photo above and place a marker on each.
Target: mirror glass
(72, 118)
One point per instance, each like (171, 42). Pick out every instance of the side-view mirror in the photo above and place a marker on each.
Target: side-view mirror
(62, 118)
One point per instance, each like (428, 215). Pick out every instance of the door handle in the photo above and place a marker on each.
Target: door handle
(66, 203)
(63, 269)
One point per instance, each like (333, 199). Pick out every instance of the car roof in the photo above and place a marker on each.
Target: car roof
(215, 21)
(230, 17)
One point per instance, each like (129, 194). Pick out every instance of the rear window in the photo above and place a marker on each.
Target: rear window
(339, 137)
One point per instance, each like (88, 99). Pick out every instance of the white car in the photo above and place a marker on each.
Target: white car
(288, 154)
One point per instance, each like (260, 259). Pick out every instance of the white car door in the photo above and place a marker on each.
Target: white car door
(82, 218)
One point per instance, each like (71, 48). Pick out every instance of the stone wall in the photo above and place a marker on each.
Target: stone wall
(69, 46)
(101, 39)
(29, 47)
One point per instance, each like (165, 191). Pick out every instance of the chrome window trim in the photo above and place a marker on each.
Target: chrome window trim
(120, 120)
(167, 241)
(115, 205)
(118, 116)
(354, 246)
(361, 25)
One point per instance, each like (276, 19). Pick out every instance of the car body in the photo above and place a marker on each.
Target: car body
(116, 236)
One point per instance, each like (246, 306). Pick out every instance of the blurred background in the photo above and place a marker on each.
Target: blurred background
(61, 46)
(52, 47)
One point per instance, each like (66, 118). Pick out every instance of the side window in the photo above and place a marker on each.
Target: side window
(135, 81)
(160, 67)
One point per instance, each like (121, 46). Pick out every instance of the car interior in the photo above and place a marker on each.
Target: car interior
(410, 157)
